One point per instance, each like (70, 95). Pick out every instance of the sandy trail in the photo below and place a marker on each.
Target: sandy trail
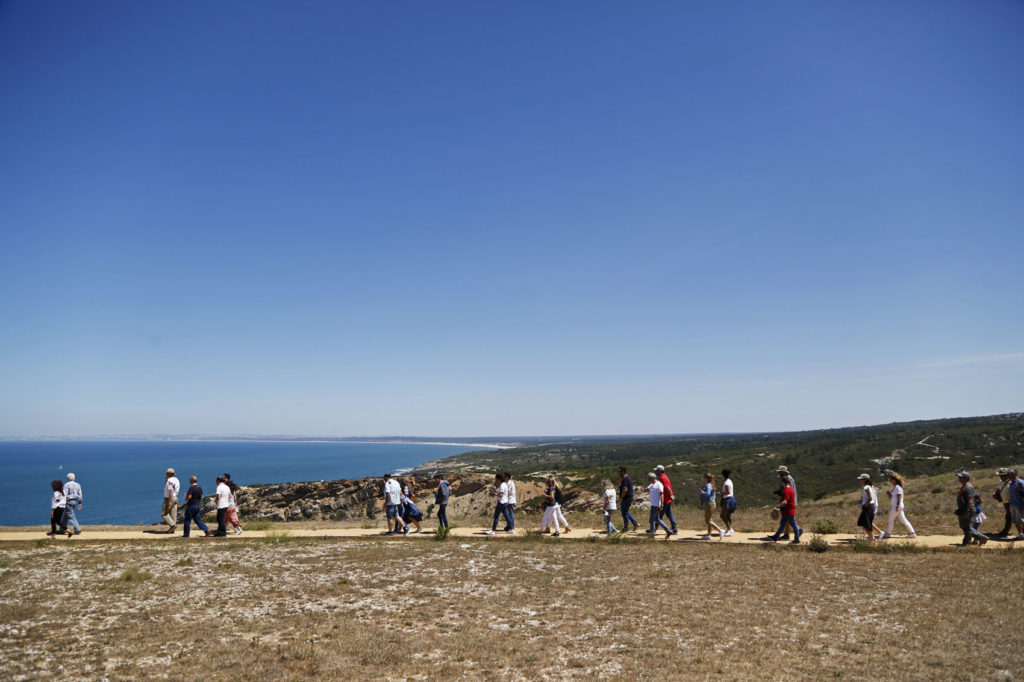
(152, 534)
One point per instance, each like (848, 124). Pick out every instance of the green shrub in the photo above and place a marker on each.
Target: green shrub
(277, 537)
(826, 527)
(259, 525)
(818, 544)
(134, 575)
(936, 491)
(441, 533)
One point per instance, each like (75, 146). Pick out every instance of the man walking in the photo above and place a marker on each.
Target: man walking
(787, 512)
(194, 507)
(441, 497)
(73, 499)
(965, 510)
(786, 478)
(656, 491)
(1016, 497)
(626, 500)
(667, 498)
(392, 500)
(1002, 494)
(500, 492)
(170, 509)
(223, 502)
(510, 508)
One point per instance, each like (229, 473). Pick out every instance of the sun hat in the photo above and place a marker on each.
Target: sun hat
(1002, 471)
(659, 468)
(864, 477)
(782, 469)
(169, 470)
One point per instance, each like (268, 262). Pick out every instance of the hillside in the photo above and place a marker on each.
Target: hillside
(824, 461)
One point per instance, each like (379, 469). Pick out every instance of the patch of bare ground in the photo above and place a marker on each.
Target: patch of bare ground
(517, 610)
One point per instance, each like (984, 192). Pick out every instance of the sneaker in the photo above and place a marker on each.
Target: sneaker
(1019, 537)
(982, 541)
(884, 536)
(238, 531)
(554, 535)
(507, 530)
(912, 536)
(795, 542)
(702, 537)
(417, 530)
(635, 528)
(727, 533)
(491, 532)
(786, 536)
(675, 531)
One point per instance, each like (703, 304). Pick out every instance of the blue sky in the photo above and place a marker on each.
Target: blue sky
(508, 218)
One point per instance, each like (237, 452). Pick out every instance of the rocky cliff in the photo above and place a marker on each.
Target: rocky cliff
(361, 499)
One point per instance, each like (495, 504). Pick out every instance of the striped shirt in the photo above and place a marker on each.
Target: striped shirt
(73, 492)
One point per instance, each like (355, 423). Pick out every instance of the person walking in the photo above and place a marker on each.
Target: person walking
(707, 501)
(500, 492)
(552, 498)
(868, 506)
(57, 505)
(787, 514)
(1002, 495)
(510, 507)
(1016, 497)
(728, 502)
(223, 502)
(965, 511)
(978, 517)
(392, 500)
(626, 500)
(667, 498)
(608, 504)
(72, 498)
(169, 510)
(232, 513)
(441, 497)
(784, 478)
(656, 493)
(410, 512)
(194, 508)
(896, 511)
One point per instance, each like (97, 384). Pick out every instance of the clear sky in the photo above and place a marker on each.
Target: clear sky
(508, 218)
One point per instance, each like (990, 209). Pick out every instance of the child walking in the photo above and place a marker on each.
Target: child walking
(979, 516)
(707, 500)
(609, 506)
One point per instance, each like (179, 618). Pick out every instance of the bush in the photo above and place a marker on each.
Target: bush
(826, 527)
(817, 544)
(134, 575)
(441, 533)
(936, 491)
(277, 537)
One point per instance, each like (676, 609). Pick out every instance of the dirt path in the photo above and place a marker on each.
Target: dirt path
(136, 533)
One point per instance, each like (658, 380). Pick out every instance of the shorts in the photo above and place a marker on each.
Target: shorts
(391, 511)
(867, 517)
(1016, 515)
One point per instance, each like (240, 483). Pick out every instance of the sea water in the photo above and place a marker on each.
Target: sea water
(122, 482)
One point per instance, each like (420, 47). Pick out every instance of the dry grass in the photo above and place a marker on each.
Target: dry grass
(521, 610)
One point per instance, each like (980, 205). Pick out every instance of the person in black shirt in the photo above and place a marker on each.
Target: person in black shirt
(626, 499)
(194, 507)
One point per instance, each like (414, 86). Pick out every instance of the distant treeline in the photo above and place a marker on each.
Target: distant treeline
(823, 461)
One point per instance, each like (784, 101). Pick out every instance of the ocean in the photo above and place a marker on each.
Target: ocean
(122, 482)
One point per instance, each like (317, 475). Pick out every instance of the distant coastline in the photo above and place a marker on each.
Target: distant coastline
(119, 438)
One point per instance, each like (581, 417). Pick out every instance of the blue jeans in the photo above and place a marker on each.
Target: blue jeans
(608, 524)
(194, 512)
(442, 515)
(656, 521)
(70, 518)
(510, 518)
(666, 510)
(628, 518)
(499, 511)
(791, 521)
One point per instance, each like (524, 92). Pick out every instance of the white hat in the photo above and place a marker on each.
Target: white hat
(864, 477)
(651, 474)
(170, 470)
(659, 468)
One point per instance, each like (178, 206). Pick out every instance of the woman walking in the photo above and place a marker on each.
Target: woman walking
(728, 502)
(57, 505)
(551, 497)
(608, 499)
(232, 513)
(897, 509)
(655, 490)
(410, 512)
(868, 506)
(707, 500)
(441, 497)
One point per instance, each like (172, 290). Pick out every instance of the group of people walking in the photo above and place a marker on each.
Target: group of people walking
(227, 506)
(65, 502)
(400, 507)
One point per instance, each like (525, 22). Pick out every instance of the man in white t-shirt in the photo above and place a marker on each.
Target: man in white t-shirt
(510, 507)
(655, 489)
(392, 502)
(501, 492)
(223, 502)
(169, 511)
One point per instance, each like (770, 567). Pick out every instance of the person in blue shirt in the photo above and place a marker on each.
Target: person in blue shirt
(626, 500)
(707, 500)
(1016, 495)
(441, 497)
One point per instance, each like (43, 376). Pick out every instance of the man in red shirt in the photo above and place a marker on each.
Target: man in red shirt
(787, 509)
(666, 498)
